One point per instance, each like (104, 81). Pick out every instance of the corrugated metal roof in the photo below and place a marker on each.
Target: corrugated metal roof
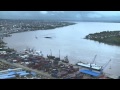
(7, 77)
(33, 73)
(23, 74)
(8, 74)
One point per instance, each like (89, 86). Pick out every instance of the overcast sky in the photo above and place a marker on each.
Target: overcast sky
(62, 15)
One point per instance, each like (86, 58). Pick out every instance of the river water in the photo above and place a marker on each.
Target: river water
(69, 40)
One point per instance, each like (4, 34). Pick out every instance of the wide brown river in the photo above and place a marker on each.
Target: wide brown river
(69, 40)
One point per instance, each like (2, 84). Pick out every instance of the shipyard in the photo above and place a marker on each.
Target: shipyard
(30, 64)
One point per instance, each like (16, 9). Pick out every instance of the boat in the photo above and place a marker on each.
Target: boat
(47, 37)
(89, 65)
(50, 56)
(65, 60)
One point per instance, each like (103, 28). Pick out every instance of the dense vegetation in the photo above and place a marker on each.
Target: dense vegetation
(3, 47)
(108, 37)
(2, 44)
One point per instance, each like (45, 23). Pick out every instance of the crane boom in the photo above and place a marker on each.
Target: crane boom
(51, 52)
(59, 53)
(103, 67)
(94, 59)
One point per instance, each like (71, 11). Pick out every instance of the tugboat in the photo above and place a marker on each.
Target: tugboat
(50, 56)
(65, 60)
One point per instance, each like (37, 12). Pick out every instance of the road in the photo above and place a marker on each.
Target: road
(26, 68)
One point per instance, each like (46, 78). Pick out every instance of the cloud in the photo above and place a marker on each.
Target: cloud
(95, 15)
(108, 13)
(61, 15)
(78, 15)
(43, 12)
(58, 11)
(52, 14)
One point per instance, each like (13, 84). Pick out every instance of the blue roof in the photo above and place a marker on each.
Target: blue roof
(90, 73)
(10, 73)
(33, 73)
(23, 74)
(7, 77)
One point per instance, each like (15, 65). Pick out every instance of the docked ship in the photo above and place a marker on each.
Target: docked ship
(93, 65)
(89, 65)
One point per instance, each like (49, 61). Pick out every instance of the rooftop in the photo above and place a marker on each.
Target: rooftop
(89, 72)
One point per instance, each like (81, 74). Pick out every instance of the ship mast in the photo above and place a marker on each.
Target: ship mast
(59, 53)
(51, 52)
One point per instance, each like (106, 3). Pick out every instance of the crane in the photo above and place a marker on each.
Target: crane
(92, 62)
(59, 53)
(104, 66)
(94, 59)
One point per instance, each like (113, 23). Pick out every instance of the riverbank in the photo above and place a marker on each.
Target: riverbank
(9, 27)
(49, 67)
(80, 49)
(108, 37)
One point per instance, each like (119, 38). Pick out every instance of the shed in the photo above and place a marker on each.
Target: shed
(21, 72)
(8, 74)
(24, 74)
(33, 73)
(7, 77)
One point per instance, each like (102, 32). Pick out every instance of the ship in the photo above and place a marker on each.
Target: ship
(48, 37)
(89, 65)
(93, 65)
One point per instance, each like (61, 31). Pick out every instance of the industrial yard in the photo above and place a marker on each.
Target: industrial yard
(30, 64)
(9, 71)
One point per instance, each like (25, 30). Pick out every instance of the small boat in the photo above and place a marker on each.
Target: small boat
(89, 65)
(50, 57)
(47, 37)
(65, 60)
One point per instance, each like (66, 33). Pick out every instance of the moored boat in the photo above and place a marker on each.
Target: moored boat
(89, 65)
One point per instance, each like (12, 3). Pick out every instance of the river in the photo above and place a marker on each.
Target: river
(69, 40)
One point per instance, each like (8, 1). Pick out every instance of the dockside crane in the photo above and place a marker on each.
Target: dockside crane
(94, 59)
(104, 66)
(92, 62)
(59, 53)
